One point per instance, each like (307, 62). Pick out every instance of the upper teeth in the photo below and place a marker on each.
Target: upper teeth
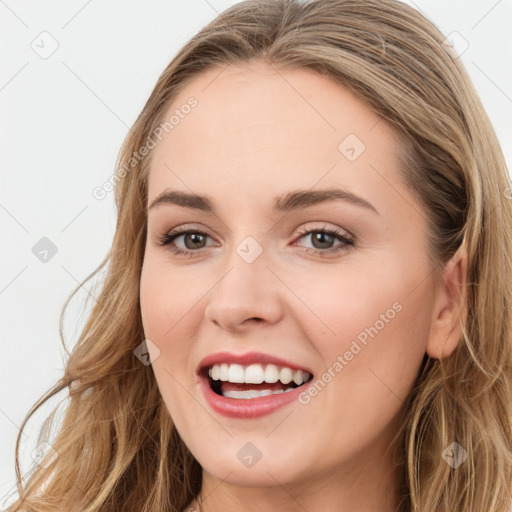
(257, 373)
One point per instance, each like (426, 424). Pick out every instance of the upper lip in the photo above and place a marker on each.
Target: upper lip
(246, 359)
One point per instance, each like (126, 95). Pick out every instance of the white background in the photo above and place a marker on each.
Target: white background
(63, 120)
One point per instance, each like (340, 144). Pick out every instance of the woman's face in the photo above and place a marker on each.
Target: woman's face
(264, 291)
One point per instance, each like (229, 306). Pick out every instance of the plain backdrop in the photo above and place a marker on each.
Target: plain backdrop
(74, 77)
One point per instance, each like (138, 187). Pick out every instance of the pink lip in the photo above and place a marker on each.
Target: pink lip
(251, 407)
(246, 359)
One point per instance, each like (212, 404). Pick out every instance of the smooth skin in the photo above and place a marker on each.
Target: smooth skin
(257, 133)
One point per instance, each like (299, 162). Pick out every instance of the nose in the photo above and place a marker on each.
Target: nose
(245, 295)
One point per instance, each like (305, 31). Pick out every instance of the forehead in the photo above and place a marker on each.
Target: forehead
(256, 127)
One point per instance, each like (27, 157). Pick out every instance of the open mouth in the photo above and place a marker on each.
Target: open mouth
(254, 381)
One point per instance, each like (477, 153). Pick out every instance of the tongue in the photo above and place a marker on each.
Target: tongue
(231, 386)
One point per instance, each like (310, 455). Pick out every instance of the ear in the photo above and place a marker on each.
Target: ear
(449, 307)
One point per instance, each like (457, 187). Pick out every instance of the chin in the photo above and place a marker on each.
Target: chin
(249, 460)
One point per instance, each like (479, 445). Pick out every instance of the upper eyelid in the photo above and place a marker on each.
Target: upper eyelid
(303, 230)
(306, 228)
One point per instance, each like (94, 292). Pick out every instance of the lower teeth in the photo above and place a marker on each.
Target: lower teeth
(254, 393)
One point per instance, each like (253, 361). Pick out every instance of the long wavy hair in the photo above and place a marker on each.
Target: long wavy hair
(117, 449)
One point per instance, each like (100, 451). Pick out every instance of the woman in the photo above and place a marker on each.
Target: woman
(235, 361)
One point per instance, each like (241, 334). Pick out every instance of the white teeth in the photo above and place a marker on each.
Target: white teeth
(271, 373)
(286, 375)
(254, 393)
(254, 374)
(257, 374)
(299, 377)
(224, 372)
(236, 373)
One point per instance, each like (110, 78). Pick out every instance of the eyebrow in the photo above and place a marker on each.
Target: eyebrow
(291, 201)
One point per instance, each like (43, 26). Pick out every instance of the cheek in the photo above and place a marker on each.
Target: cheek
(372, 319)
(155, 302)
(341, 303)
(168, 316)
(164, 299)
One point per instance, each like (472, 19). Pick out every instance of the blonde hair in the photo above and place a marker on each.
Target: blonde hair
(117, 447)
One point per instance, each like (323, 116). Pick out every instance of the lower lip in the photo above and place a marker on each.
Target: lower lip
(247, 408)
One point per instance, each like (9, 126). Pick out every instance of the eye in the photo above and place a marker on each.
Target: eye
(193, 239)
(322, 240)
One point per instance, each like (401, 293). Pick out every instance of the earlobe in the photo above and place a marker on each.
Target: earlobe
(450, 307)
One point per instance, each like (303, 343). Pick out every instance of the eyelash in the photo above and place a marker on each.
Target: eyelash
(168, 238)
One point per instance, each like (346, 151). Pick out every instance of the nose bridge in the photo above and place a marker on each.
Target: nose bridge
(245, 290)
